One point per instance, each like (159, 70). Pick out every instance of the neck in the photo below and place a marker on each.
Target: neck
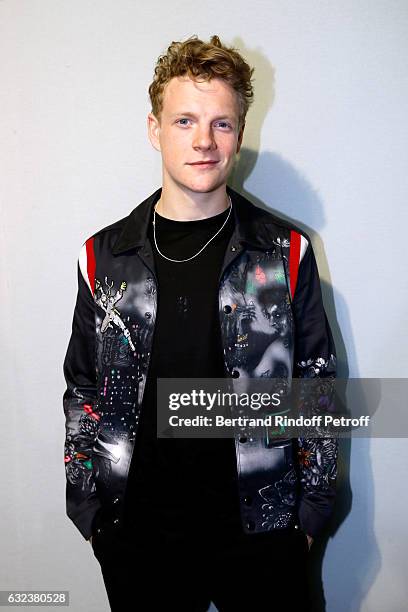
(191, 206)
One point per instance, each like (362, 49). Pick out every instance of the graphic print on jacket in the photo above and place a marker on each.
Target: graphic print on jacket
(272, 324)
(258, 343)
(107, 302)
(114, 346)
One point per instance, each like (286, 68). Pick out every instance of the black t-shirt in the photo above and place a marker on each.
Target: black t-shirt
(184, 485)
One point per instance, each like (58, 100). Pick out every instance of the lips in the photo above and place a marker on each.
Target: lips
(204, 163)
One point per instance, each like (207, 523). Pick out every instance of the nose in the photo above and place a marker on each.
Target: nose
(204, 139)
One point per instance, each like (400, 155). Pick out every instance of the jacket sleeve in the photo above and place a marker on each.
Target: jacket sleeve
(79, 402)
(315, 357)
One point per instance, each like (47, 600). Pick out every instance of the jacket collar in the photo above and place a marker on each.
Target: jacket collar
(251, 227)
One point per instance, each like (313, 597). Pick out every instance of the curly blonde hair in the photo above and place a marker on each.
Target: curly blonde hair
(204, 61)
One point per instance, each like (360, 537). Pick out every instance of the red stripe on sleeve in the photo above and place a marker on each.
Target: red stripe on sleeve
(90, 262)
(294, 256)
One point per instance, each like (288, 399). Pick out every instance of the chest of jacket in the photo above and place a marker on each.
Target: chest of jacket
(257, 332)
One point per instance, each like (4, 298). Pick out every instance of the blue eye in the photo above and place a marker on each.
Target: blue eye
(222, 124)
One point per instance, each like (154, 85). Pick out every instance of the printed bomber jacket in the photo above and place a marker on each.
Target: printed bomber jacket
(272, 323)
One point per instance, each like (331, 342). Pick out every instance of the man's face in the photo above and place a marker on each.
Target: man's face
(199, 122)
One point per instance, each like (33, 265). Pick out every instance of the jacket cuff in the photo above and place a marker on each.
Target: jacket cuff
(84, 516)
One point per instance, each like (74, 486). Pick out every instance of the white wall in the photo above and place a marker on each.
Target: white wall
(325, 145)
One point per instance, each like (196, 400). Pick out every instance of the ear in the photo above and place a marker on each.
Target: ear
(153, 129)
(240, 137)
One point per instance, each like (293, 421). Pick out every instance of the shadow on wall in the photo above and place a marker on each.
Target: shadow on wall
(353, 567)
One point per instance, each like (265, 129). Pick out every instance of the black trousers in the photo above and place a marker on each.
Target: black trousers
(146, 570)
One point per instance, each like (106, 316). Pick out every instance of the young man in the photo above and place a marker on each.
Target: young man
(196, 282)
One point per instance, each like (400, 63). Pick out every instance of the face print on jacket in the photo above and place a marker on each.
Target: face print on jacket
(259, 327)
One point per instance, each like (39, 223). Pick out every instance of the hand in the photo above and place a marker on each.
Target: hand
(309, 540)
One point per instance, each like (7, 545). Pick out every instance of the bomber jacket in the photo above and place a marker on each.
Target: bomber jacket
(273, 324)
